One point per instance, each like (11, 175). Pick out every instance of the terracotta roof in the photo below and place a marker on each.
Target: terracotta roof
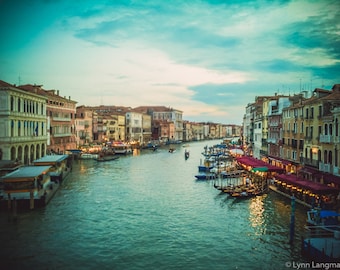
(5, 84)
(146, 109)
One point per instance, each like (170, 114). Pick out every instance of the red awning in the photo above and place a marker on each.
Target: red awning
(308, 185)
(329, 178)
(257, 163)
(283, 161)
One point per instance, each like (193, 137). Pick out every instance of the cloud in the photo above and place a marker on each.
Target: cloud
(208, 58)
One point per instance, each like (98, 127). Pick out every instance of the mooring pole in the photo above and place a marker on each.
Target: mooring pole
(292, 221)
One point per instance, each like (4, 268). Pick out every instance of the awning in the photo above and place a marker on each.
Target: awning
(257, 163)
(260, 169)
(283, 161)
(305, 184)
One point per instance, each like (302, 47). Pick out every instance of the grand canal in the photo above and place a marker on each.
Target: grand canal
(146, 211)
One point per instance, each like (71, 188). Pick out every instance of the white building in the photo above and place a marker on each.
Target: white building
(23, 134)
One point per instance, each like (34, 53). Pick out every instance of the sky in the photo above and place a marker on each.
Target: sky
(209, 59)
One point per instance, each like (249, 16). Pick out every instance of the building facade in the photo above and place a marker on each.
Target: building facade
(23, 124)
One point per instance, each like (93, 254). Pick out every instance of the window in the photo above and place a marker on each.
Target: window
(320, 111)
(311, 132)
(12, 104)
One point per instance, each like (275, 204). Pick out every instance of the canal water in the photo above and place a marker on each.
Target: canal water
(147, 211)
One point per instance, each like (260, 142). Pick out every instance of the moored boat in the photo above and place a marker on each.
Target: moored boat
(122, 148)
(319, 217)
(206, 176)
(88, 156)
(29, 186)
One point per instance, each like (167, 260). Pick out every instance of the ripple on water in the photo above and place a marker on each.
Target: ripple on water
(148, 212)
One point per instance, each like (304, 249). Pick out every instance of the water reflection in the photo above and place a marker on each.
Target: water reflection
(256, 215)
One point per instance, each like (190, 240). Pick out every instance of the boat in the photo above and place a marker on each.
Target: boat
(88, 156)
(172, 150)
(186, 154)
(203, 168)
(233, 174)
(319, 217)
(206, 176)
(122, 148)
(107, 158)
(29, 186)
(247, 193)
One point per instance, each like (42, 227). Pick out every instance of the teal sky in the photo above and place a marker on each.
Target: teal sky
(207, 58)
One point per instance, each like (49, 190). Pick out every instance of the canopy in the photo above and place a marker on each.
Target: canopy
(257, 163)
(305, 184)
(328, 213)
(260, 169)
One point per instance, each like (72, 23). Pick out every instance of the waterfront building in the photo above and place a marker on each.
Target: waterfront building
(257, 133)
(134, 127)
(293, 138)
(253, 127)
(84, 125)
(187, 131)
(98, 127)
(275, 131)
(23, 124)
(321, 154)
(163, 114)
(114, 126)
(163, 131)
(215, 131)
(60, 112)
(146, 129)
(248, 129)
(198, 131)
(232, 130)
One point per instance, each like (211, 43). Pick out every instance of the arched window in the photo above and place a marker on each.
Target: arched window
(326, 129)
(19, 104)
(336, 127)
(19, 153)
(325, 160)
(330, 158)
(13, 156)
(330, 129)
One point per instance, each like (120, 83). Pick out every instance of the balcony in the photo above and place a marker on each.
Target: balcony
(63, 119)
(310, 162)
(328, 168)
(325, 138)
(272, 140)
(67, 134)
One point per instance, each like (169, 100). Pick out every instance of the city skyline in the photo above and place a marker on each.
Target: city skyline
(208, 59)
